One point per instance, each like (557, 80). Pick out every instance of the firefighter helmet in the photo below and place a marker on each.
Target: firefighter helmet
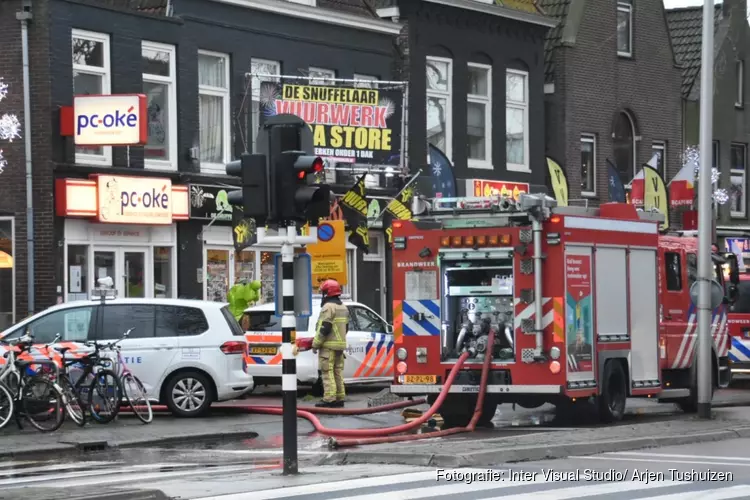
(330, 288)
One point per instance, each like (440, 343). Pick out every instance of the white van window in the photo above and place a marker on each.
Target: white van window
(267, 321)
(72, 324)
(117, 319)
(179, 321)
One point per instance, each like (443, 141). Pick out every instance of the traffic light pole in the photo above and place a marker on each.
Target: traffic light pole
(288, 238)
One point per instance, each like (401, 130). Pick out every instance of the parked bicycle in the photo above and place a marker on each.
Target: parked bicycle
(33, 396)
(133, 389)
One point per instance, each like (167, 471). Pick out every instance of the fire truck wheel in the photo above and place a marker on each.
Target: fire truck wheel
(690, 403)
(614, 394)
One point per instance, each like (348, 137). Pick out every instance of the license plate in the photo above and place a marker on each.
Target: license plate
(420, 379)
(263, 350)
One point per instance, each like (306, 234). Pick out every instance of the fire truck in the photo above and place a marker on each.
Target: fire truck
(739, 327)
(584, 304)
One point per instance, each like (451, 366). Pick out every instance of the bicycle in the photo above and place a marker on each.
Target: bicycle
(31, 391)
(131, 385)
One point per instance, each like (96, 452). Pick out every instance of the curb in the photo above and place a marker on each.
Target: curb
(492, 458)
(125, 495)
(83, 447)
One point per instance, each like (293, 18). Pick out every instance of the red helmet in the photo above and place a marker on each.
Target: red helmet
(330, 288)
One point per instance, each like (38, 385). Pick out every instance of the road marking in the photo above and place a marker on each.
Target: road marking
(670, 455)
(330, 487)
(589, 491)
(609, 457)
(717, 494)
(49, 467)
(444, 489)
(266, 452)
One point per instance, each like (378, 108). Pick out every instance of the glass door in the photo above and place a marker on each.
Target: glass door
(105, 265)
(134, 273)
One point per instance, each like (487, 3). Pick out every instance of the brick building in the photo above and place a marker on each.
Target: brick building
(731, 122)
(613, 92)
(190, 58)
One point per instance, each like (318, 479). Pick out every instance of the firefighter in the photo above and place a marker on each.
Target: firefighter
(330, 340)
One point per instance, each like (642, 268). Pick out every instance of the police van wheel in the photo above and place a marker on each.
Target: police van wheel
(614, 394)
(317, 388)
(189, 394)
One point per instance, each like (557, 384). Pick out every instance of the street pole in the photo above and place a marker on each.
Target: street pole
(288, 363)
(705, 212)
(287, 238)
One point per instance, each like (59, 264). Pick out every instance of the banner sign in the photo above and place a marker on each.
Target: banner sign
(579, 313)
(210, 202)
(484, 188)
(558, 182)
(398, 209)
(355, 207)
(349, 125)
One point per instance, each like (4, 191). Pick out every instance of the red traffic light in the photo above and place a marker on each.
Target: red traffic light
(315, 166)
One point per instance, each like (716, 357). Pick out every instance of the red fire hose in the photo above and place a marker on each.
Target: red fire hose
(385, 434)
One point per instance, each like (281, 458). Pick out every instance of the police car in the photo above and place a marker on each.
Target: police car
(187, 353)
(368, 354)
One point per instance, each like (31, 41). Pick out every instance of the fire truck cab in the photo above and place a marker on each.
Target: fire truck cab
(581, 303)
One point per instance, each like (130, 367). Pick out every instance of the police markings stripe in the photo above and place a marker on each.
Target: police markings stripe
(740, 350)
(429, 326)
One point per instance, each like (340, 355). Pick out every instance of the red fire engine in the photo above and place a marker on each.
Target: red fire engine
(581, 303)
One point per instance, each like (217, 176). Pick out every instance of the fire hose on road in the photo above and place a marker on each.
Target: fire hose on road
(355, 437)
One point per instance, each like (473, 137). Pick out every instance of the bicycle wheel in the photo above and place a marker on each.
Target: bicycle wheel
(76, 409)
(105, 394)
(137, 398)
(6, 405)
(42, 403)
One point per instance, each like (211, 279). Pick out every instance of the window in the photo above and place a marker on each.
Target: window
(7, 273)
(78, 282)
(517, 120)
(674, 271)
(737, 194)
(321, 76)
(72, 324)
(692, 269)
(215, 126)
(117, 319)
(659, 149)
(588, 164)
(163, 286)
(234, 326)
(178, 321)
(262, 71)
(91, 76)
(160, 88)
(365, 81)
(479, 119)
(624, 29)
(624, 147)
(439, 104)
(267, 321)
(740, 73)
(367, 321)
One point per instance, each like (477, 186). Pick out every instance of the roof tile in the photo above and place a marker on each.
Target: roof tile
(556, 9)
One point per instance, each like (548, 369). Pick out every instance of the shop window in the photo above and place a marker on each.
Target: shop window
(217, 275)
(72, 324)
(159, 85)
(91, 76)
(244, 267)
(267, 276)
(674, 271)
(117, 319)
(163, 283)
(174, 321)
(7, 270)
(78, 282)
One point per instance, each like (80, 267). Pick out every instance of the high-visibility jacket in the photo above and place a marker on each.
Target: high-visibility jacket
(338, 316)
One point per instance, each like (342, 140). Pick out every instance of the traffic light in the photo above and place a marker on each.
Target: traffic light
(253, 197)
(297, 199)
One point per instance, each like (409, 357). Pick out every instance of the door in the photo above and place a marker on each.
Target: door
(678, 315)
(127, 266)
(371, 296)
(370, 343)
(145, 354)
(217, 278)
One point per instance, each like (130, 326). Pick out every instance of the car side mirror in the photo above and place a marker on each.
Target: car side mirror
(388, 328)
(734, 268)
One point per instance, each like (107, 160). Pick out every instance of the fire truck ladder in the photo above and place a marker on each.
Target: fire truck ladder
(535, 208)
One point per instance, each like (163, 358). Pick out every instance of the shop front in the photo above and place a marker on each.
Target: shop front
(222, 264)
(486, 188)
(7, 273)
(121, 227)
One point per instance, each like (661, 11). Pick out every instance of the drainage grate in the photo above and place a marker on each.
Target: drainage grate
(384, 397)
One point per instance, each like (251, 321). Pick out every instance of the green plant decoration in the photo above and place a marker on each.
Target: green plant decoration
(241, 296)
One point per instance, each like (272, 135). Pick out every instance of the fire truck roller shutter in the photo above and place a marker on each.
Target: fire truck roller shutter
(644, 319)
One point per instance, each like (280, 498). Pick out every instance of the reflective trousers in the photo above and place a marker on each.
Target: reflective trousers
(331, 364)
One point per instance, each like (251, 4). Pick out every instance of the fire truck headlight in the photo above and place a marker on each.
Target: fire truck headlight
(554, 367)
(401, 354)
(554, 353)
(421, 355)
